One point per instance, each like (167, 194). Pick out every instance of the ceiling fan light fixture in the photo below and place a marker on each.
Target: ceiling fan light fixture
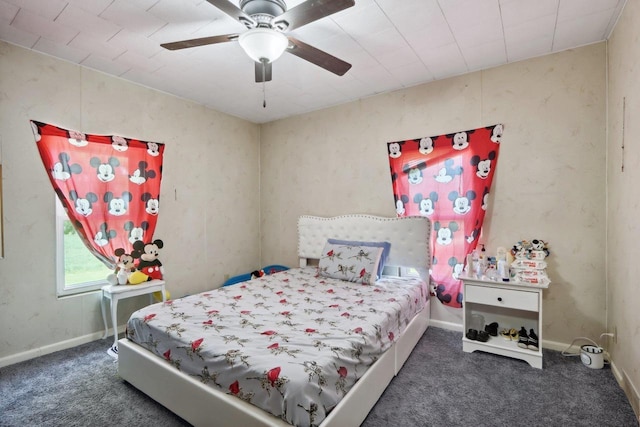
(263, 44)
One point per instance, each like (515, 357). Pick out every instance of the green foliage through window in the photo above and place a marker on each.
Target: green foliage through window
(80, 265)
(68, 228)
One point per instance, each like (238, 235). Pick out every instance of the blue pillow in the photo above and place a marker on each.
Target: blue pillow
(386, 247)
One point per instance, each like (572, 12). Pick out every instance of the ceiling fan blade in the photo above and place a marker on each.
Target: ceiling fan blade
(235, 12)
(200, 42)
(267, 72)
(309, 11)
(317, 57)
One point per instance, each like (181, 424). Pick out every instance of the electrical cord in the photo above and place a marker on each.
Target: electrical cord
(564, 352)
(608, 334)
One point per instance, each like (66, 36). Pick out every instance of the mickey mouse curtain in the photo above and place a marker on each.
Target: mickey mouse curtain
(109, 186)
(448, 179)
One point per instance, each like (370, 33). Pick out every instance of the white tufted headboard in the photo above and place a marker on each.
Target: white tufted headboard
(409, 237)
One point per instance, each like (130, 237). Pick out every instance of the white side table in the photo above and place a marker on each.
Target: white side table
(117, 292)
(511, 305)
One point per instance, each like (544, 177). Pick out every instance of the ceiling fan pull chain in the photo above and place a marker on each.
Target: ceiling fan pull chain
(264, 90)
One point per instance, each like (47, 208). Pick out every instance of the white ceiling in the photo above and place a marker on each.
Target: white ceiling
(392, 44)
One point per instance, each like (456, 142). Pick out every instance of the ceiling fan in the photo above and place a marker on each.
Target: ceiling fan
(267, 21)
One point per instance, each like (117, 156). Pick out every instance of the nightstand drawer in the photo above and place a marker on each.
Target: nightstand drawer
(508, 298)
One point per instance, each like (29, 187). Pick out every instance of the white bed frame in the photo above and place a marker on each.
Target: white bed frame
(201, 405)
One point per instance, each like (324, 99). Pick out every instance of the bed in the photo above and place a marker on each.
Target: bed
(332, 392)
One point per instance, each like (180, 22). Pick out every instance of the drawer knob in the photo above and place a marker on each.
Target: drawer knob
(500, 299)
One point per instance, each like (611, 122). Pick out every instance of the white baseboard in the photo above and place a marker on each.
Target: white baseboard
(445, 325)
(52, 348)
(559, 346)
(628, 387)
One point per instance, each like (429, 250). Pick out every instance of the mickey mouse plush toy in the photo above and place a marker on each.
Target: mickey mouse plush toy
(149, 263)
(124, 268)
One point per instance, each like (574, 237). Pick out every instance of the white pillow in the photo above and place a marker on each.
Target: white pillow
(386, 247)
(350, 263)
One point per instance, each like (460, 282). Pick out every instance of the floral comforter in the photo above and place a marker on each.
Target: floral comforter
(291, 343)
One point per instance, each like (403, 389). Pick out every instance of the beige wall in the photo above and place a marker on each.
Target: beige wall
(209, 207)
(623, 237)
(550, 180)
(221, 171)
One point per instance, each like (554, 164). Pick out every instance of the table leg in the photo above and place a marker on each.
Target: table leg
(114, 320)
(104, 317)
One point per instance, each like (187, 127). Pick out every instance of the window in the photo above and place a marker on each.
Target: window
(77, 270)
(124, 174)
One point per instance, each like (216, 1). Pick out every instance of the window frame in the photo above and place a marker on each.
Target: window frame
(62, 289)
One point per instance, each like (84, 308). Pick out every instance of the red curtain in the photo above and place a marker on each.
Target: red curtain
(108, 185)
(448, 179)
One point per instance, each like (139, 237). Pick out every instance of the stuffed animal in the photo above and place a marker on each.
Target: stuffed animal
(540, 245)
(257, 273)
(138, 277)
(149, 263)
(520, 249)
(124, 268)
(533, 249)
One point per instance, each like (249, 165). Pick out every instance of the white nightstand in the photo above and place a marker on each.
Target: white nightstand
(117, 292)
(511, 305)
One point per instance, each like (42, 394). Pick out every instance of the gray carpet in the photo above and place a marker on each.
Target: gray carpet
(439, 386)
